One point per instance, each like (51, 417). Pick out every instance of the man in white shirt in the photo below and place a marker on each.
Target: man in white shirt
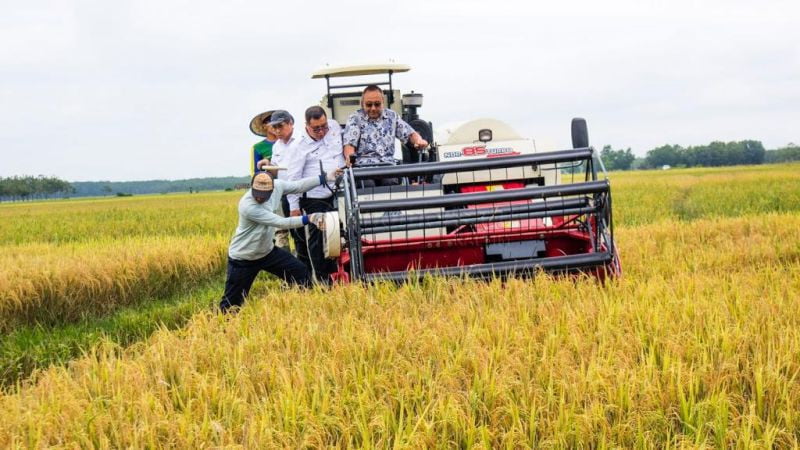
(321, 141)
(281, 123)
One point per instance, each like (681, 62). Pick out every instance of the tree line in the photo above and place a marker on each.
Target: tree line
(100, 188)
(789, 153)
(21, 188)
(714, 154)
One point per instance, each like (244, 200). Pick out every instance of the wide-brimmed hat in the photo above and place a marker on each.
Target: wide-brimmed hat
(259, 123)
(262, 185)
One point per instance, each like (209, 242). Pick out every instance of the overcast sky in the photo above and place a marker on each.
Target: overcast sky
(108, 90)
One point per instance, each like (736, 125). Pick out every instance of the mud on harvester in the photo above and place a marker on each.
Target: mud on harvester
(481, 201)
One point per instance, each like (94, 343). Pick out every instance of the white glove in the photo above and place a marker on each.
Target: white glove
(318, 219)
(331, 176)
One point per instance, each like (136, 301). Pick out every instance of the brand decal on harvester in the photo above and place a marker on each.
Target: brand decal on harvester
(479, 150)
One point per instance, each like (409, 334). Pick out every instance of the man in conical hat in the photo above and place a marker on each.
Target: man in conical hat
(261, 152)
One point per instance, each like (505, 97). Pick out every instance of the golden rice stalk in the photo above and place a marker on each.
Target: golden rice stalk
(43, 282)
(698, 345)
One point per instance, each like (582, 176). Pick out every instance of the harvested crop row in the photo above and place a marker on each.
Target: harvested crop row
(699, 344)
(48, 283)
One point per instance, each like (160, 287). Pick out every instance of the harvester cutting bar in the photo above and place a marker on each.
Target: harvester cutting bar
(485, 219)
(472, 238)
(477, 220)
(569, 263)
(504, 162)
(472, 213)
(453, 200)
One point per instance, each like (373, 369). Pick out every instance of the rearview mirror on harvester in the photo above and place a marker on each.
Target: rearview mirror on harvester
(580, 134)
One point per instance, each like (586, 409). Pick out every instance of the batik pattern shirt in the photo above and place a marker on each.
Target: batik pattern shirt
(374, 139)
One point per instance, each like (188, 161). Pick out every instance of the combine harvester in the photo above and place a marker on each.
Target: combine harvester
(482, 201)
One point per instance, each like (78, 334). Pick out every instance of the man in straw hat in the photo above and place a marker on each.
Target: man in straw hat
(251, 249)
(261, 152)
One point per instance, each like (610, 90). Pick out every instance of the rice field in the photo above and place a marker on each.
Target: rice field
(45, 284)
(697, 346)
(64, 260)
(80, 220)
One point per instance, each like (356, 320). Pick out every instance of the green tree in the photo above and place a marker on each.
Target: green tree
(791, 152)
(754, 152)
(666, 155)
(29, 187)
(617, 159)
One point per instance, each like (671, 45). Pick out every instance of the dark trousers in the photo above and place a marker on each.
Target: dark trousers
(295, 233)
(241, 275)
(314, 256)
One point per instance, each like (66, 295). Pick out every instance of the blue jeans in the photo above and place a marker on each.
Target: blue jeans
(241, 275)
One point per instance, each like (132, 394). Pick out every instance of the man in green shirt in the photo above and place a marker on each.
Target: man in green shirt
(261, 152)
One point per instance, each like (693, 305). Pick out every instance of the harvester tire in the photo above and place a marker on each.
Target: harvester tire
(580, 133)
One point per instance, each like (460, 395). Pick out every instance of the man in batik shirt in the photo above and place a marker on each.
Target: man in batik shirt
(371, 131)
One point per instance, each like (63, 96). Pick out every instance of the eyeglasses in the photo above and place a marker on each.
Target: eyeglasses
(372, 104)
(319, 129)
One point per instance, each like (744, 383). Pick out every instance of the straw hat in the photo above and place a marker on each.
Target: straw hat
(262, 185)
(259, 123)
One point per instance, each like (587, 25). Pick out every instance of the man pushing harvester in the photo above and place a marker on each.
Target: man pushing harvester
(251, 249)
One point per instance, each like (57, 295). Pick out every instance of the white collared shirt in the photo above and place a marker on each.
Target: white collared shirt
(304, 160)
(282, 153)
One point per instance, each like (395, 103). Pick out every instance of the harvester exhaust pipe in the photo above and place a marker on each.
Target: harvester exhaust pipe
(580, 133)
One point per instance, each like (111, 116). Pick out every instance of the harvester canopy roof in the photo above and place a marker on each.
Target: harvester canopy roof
(363, 69)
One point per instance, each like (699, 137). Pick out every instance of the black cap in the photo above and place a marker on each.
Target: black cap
(280, 116)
